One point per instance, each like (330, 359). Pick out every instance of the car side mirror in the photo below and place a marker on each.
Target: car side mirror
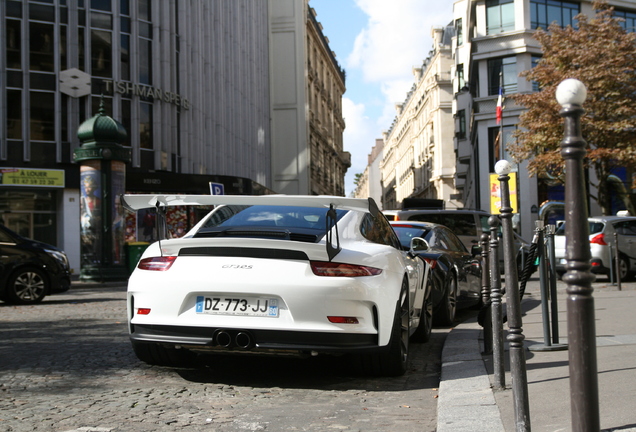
(475, 250)
(418, 244)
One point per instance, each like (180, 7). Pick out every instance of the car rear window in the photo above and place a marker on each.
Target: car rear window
(595, 228)
(460, 224)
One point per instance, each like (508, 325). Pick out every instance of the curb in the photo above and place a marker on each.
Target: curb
(466, 401)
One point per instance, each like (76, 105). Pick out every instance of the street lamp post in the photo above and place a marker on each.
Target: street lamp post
(515, 337)
(571, 94)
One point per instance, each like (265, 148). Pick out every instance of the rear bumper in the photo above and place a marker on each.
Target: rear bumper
(254, 340)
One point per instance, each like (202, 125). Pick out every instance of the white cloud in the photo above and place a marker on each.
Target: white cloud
(397, 37)
(359, 137)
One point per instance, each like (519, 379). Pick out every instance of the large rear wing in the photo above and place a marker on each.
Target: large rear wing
(134, 202)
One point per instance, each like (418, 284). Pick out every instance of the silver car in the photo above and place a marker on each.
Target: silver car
(602, 229)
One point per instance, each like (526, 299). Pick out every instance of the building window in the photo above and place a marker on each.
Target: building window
(101, 53)
(14, 114)
(42, 122)
(500, 16)
(461, 124)
(41, 47)
(145, 69)
(461, 80)
(535, 62)
(459, 31)
(502, 72)
(145, 125)
(498, 140)
(630, 19)
(545, 12)
(14, 45)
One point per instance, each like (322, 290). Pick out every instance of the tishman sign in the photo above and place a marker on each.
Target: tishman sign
(128, 88)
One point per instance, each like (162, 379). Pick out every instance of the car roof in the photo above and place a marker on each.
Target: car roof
(449, 211)
(415, 223)
(610, 218)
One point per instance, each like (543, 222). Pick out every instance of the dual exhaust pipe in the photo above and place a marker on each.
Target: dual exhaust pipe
(228, 339)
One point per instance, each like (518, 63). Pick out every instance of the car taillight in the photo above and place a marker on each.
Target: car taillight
(323, 268)
(162, 263)
(432, 262)
(599, 239)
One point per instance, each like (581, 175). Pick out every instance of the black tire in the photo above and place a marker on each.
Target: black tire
(423, 332)
(158, 355)
(26, 286)
(445, 316)
(623, 269)
(394, 360)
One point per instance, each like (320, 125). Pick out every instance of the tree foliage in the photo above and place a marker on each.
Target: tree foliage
(601, 54)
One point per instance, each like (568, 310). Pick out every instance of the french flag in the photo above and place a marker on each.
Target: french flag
(499, 106)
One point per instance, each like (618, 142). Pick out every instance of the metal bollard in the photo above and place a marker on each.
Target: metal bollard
(496, 308)
(485, 294)
(547, 280)
(513, 302)
(584, 400)
(550, 230)
(618, 262)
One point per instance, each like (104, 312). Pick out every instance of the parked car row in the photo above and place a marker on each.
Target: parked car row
(30, 270)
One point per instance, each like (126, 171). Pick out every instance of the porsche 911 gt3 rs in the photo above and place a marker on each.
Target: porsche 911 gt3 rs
(277, 274)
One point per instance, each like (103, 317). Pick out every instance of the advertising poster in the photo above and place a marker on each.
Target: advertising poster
(90, 212)
(118, 171)
(495, 194)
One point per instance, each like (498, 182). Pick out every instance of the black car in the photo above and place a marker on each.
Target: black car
(30, 270)
(456, 271)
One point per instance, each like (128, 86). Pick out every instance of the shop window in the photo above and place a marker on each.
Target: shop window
(101, 53)
(41, 47)
(500, 16)
(42, 121)
(545, 12)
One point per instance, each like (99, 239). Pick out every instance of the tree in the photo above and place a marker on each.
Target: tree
(357, 177)
(601, 54)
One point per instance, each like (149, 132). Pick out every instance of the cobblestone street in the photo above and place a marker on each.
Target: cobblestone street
(67, 365)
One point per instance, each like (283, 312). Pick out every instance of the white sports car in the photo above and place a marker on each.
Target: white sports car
(279, 274)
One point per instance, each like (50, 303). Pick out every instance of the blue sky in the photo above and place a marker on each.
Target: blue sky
(377, 42)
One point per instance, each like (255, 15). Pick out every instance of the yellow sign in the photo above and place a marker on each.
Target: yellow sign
(495, 194)
(31, 177)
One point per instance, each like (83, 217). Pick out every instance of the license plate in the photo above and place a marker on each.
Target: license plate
(246, 306)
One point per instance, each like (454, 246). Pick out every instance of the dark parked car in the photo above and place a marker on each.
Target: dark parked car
(456, 271)
(30, 270)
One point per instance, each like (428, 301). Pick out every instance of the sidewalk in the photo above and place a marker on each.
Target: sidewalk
(467, 402)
